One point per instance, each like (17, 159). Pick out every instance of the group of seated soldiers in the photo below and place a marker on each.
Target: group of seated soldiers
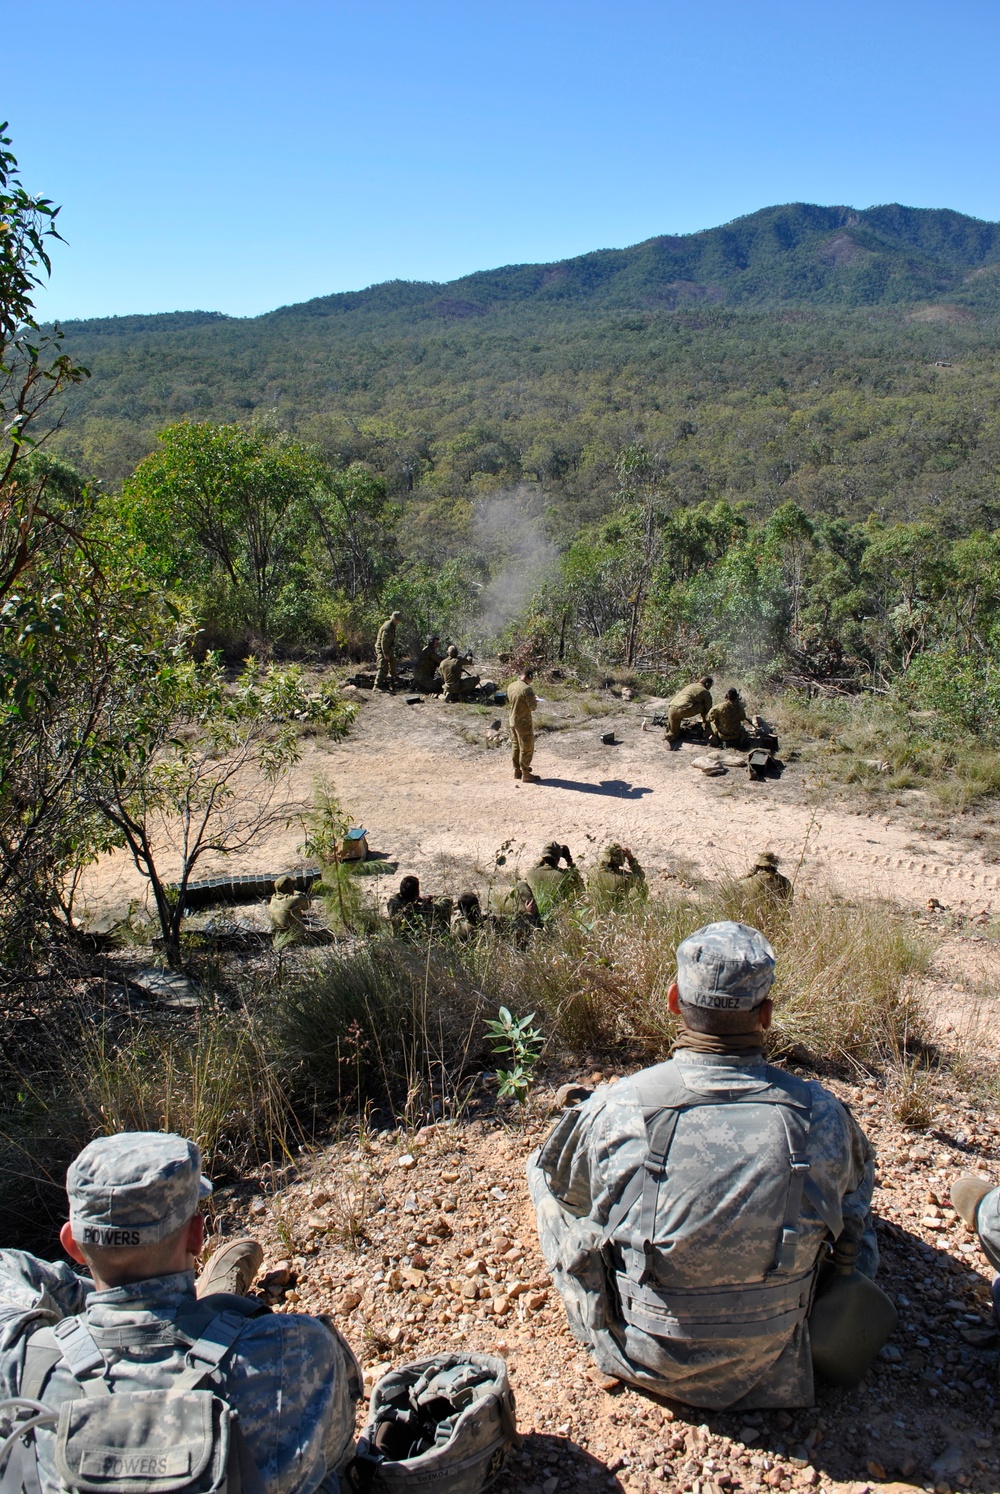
(616, 882)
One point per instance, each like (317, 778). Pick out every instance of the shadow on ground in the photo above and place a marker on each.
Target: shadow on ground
(615, 788)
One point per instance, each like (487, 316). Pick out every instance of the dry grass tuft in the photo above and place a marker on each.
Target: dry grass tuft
(219, 1084)
(909, 1088)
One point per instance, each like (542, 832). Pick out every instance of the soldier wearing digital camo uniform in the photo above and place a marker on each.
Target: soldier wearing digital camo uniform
(134, 1222)
(695, 1279)
(385, 653)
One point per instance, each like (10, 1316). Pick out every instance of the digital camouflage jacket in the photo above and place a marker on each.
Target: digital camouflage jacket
(706, 1318)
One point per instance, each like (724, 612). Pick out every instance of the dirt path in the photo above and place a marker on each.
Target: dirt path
(433, 786)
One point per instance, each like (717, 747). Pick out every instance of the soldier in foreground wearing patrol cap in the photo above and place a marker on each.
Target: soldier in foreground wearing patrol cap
(695, 1278)
(140, 1323)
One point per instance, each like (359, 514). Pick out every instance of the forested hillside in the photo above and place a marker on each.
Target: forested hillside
(845, 360)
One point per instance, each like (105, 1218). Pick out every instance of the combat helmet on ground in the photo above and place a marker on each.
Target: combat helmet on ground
(445, 1422)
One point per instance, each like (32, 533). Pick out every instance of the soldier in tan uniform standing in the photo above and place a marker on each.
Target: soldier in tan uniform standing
(522, 701)
(385, 653)
(693, 700)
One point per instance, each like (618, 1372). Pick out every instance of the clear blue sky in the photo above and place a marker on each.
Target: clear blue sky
(237, 156)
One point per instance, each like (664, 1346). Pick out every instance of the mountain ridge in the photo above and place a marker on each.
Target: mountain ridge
(731, 254)
(847, 358)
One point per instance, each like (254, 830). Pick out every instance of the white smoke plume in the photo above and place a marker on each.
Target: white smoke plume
(508, 530)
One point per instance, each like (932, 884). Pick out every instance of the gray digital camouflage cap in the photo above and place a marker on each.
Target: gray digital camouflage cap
(135, 1188)
(725, 966)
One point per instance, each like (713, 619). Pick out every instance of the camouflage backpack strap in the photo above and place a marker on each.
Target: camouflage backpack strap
(799, 1104)
(664, 1097)
(41, 1355)
(81, 1356)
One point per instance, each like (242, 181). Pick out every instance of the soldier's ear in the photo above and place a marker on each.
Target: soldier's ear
(766, 1013)
(674, 1000)
(70, 1246)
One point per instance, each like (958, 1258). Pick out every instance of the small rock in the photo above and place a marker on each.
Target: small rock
(950, 1461)
(498, 1194)
(747, 1435)
(412, 1278)
(406, 1161)
(475, 1268)
(349, 1301)
(449, 1177)
(550, 1486)
(317, 1223)
(534, 1300)
(279, 1278)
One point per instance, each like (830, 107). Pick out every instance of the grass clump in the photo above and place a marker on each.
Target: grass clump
(384, 1020)
(879, 746)
(219, 1084)
(390, 1022)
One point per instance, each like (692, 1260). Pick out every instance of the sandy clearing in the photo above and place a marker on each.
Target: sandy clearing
(436, 798)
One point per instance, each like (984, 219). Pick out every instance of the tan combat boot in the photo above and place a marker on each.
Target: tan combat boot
(967, 1193)
(230, 1268)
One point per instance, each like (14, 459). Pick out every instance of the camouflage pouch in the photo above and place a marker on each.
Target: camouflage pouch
(445, 1423)
(145, 1442)
(173, 1439)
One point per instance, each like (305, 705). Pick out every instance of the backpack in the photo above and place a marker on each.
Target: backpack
(175, 1438)
(784, 1296)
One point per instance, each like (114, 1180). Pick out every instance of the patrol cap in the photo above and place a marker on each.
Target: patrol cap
(725, 966)
(134, 1189)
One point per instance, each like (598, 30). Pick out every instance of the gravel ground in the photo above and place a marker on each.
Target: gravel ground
(417, 1242)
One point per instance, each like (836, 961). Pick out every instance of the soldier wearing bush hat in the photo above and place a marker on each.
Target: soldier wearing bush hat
(764, 877)
(134, 1223)
(685, 1211)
